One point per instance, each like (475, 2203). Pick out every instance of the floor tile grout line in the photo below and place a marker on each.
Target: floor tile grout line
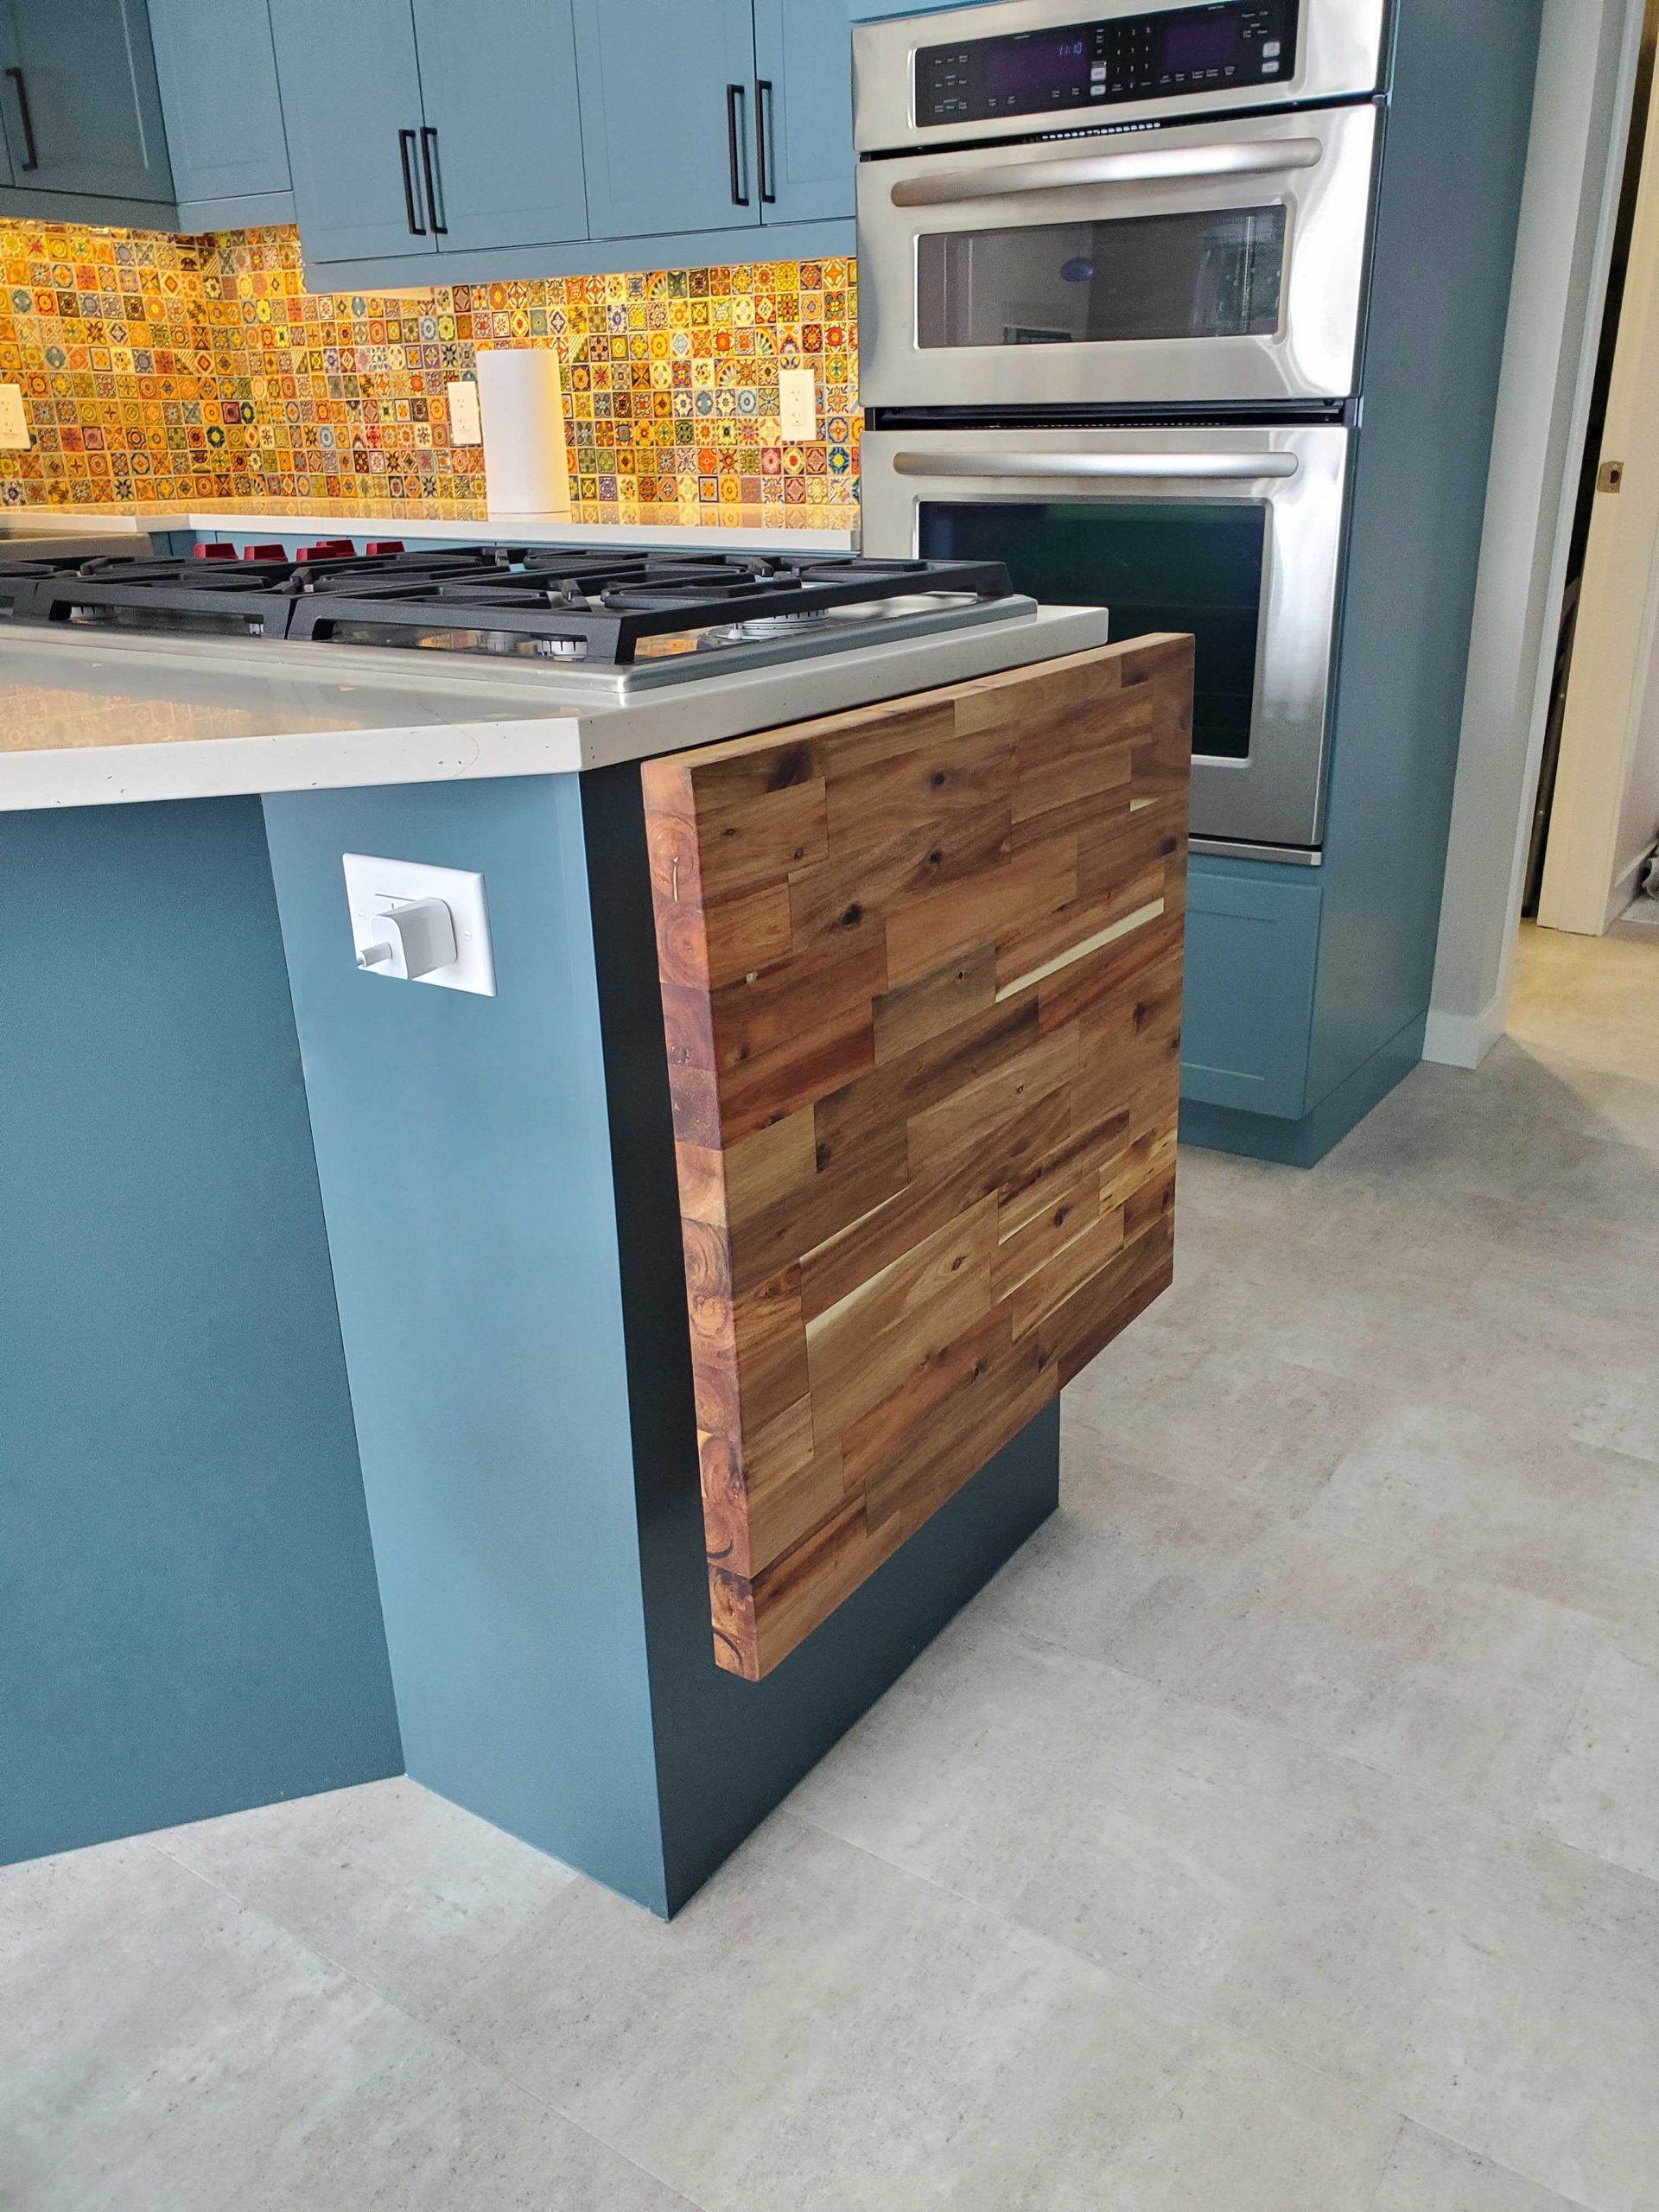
(1376, 2197)
(1241, 2038)
(1603, 1624)
(1425, 1786)
(1532, 2181)
(427, 2027)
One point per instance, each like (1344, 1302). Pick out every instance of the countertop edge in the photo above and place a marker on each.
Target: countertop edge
(572, 738)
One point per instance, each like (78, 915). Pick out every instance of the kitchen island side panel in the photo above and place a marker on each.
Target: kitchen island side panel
(728, 1750)
(188, 1618)
(464, 1156)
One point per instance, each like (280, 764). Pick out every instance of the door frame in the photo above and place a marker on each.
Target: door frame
(1587, 79)
(1594, 854)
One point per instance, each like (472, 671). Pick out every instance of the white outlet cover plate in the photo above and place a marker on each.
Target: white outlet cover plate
(798, 404)
(371, 881)
(13, 423)
(466, 423)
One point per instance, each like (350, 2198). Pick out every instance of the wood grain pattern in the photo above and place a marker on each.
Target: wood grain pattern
(921, 974)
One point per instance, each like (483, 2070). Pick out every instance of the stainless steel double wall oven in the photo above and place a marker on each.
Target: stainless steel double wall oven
(1113, 274)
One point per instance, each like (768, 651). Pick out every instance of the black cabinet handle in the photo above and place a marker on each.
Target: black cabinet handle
(406, 155)
(430, 169)
(32, 158)
(766, 141)
(737, 150)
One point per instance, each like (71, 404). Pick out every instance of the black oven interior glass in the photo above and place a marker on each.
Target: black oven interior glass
(1215, 274)
(1084, 67)
(1164, 564)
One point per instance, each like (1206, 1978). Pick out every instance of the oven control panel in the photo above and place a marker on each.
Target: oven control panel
(1229, 44)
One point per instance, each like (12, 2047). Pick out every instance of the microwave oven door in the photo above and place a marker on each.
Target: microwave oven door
(1234, 535)
(1224, 262)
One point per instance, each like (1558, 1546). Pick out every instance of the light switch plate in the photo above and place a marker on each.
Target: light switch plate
(797, 403)
(466, 424)
(372, 884)
(13, 423)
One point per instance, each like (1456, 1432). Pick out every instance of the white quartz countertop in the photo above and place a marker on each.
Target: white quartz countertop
(754, 531)
(85, 721)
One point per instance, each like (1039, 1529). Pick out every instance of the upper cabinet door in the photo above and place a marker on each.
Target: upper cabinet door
(502, 153)
(803, 63)
(668, 115)
(81, 108)
(218, 71)
(351, 89)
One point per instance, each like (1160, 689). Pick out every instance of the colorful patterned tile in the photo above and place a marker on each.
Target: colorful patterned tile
(192, 369)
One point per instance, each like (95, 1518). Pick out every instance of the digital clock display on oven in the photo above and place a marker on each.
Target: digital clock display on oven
(1170, 54)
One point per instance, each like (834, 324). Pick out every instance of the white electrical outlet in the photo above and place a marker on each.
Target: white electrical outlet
(797, 403)
(466, 424)
(375, 888)
(13, 423)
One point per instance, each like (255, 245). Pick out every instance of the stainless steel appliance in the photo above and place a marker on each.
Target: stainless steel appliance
(1114, 281)
(1216, 261)
(1235, 534)
(611, 623)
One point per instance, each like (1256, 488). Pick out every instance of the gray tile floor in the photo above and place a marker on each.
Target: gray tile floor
(1279, 1833)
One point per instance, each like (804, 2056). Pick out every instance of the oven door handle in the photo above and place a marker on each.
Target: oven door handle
(1156, 165)
(1218, 468)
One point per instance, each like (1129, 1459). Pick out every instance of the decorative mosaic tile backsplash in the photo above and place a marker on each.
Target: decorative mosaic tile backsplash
(189, 369)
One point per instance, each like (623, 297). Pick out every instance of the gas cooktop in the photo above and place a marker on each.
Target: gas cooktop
(634, 618)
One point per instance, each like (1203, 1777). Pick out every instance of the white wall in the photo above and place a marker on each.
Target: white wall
(1586, 76)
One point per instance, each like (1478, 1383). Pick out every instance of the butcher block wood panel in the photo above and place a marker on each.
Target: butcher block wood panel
(921, 979)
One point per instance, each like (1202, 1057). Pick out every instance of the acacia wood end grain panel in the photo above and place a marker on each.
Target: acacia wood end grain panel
(921, 977)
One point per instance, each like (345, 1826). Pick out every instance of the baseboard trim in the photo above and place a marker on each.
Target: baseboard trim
(1304, 1143)
(1463, 1040)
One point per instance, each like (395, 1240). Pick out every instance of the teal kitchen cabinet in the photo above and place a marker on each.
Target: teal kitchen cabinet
(418, 128)
(530, 138)
(876, 11)
(668, 116)
(804, 108)
(1252, 953)
(501, 142)
(350, 92)
(81, 108)
(216, 66)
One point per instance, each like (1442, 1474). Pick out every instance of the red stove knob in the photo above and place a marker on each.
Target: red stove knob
(263, 553)
(214, 552)
(385, 545)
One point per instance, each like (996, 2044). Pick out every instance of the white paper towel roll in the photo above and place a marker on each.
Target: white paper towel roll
(521, 402)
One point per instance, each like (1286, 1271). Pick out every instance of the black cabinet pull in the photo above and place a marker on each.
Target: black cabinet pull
(406, 155)
(766, 141)
(736, 149)
(32, 158)
(430, 169)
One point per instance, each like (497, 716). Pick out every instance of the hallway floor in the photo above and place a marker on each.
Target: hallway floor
(1279, 1833)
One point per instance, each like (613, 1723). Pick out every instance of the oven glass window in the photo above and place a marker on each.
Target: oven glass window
(1217, 275)
(1167, 564)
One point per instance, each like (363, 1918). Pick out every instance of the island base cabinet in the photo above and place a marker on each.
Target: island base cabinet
(524, 1403)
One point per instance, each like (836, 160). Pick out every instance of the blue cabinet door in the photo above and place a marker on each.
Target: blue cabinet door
(668, 115)
(82, 110)
(1247, 1022)
(504, 143)
(216, 66)
(803, 66)
(351, 89)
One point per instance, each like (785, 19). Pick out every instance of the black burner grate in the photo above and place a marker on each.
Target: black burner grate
(595, 604)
